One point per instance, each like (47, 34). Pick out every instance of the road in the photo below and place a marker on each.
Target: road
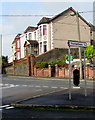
(20, 88)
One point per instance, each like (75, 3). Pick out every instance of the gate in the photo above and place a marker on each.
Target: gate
(53, 71)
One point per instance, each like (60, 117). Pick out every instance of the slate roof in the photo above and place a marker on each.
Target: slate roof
(47, 20)
(17, 36)
(92, 27)
(30, 29)
(32, 41)
(44, 20)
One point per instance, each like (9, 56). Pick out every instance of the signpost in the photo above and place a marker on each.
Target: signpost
(76, 44)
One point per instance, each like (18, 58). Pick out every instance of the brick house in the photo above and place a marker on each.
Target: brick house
(55, 32)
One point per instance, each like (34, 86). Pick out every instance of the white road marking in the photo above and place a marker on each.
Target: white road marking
(4, 106)
(17, 85)
(30, 85)
(45, 86)
(63, 87)
(37, 86)
(24, 85)
(54, 87)
(9, 107)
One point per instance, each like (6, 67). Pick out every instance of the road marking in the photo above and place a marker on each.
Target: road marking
(4, 106)
(45, 86)
(76, 87)
(54, 87)
(30, 85)
(37, 86)
(9, 107)
(24, 85)
(63, 87)
(17, 85)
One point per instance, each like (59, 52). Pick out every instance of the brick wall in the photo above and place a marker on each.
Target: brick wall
(9, 70)
(62, 72)
(44, 72)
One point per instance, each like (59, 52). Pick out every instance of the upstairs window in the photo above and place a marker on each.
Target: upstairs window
(34, 35)
(44, 30)
(41, 47)
(45, 46)
(30, 36)
(40, 30)
(18, 44)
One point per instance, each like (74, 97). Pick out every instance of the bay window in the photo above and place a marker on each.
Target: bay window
(44, 30)
(30, 36)
(45, 46)
(40, 30)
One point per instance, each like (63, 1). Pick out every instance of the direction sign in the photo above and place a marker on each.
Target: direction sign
(77, 43)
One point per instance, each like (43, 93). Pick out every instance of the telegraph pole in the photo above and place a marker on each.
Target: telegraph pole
(78, 28)
(0, 53)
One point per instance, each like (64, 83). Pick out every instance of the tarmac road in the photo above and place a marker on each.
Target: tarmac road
(19, 88)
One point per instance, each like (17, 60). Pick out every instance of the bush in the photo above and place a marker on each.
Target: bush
(41, 64)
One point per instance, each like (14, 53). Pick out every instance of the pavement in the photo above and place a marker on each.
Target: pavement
(61, 100)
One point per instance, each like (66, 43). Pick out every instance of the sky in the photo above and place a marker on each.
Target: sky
(10, 26)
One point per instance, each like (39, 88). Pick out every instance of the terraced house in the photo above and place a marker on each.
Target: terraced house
(53, 33)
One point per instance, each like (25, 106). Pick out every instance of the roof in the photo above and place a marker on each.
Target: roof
(30, 29)
(92, 27)
(69, 9)
(47, 20)
(32, 41)
(44, 20)
(17, 36)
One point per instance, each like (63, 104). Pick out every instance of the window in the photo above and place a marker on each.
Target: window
(34, 35)
(18, 44)
(92, 42)
(41, 47)
(45, 46)
(30, 36)
(26, 36)
(40, 30)
(44, 30)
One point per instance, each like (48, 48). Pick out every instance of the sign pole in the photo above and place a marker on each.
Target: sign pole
(85, 74)
(69, 75)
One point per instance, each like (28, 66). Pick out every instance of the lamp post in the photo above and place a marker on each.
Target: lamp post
(79, 38)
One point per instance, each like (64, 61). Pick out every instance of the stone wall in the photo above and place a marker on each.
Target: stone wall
(9, 70)
(21, 68)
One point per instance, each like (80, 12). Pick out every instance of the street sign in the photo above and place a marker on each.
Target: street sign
(76, 43)
(70, 58)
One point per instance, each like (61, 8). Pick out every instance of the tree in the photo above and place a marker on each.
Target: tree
(90, 53)
(4, 60)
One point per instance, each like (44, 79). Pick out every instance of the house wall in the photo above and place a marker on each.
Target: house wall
(22, 41)
(65, 28)
(13, 50)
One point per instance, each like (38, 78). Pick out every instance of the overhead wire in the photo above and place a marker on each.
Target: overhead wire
(40, 16)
